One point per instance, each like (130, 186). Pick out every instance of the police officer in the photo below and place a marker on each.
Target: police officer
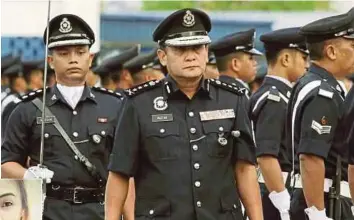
(211, 71)
(315, 109)
(188, 137)
(6, 62)
(349, 126)
(111, 70)
(33, 74)
(142, 68)
(94, 79)
(235, 58)
(75, 188)
(286, 55)
(260, 75)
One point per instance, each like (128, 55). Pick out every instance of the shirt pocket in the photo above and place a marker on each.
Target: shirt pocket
(100, 138)
(160, 142)
(53, 141)
(159, 208)
(218, 136)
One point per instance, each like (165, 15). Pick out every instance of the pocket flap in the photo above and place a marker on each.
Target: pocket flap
(218, 126)
(153, 207)
(163, 129)
(102, 130)
(229, 203)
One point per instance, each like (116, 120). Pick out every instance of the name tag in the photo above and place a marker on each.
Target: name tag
(48, 120)
(162, 117)
(217, 114)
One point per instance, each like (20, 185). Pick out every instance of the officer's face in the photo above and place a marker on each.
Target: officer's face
(344, 55)
(184, 62)
(37, 79)
(246, 66)
(298, 65)
(71, 64)
(10, 201)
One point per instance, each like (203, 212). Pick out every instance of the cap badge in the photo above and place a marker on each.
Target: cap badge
(160, 104)
(65, 26)
(188, 19)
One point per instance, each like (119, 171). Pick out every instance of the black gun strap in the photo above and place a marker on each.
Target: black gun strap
(91, 168)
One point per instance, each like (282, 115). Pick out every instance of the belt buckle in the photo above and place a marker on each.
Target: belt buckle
(75, 199)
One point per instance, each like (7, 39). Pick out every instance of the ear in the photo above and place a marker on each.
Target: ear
(162, 57)
(330, 52)
(50, 61)
(91, 59)
(235, 64)
(285, 59)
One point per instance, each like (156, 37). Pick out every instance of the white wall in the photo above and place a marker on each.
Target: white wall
(29, 17)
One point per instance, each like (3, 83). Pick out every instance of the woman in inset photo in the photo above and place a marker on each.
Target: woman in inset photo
(13, 200)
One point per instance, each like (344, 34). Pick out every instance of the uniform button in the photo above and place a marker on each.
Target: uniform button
(75, 112)
(196, 166)
(76, 157)
(236, 134)
(193, 130)
(195, 147)
(46, 135)
(221, 129)
(191, 114)
(235, 207)
(103, 133)
(197, 184)
(75, 134)
(151, 212)
(199, 204)
(162, 130)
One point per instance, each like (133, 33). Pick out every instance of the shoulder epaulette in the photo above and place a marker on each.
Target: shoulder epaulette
(108, 91)
(226, 86)
(31, 95)
(325, 90)
(274, 94)
(142, 88)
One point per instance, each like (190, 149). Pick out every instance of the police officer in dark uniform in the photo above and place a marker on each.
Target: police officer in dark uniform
(349, 104)
(189, 138)
(111, 70)
(142, 68)
(6, 62)
(314, 112)
(286, 56)
(235, 58)
(75, 190)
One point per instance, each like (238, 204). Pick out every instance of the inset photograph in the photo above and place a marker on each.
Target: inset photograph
(20, 199)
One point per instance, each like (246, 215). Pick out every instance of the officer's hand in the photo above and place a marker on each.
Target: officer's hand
(314, 214)
(39, 172)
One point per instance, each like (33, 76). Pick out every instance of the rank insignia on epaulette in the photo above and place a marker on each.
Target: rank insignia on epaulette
(226, 86)
(107, 91)
(32, 94)
(142, 88)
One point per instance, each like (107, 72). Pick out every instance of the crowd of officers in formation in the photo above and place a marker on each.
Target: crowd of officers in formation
(191, 130)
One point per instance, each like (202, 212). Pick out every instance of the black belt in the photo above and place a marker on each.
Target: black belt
(76, 195)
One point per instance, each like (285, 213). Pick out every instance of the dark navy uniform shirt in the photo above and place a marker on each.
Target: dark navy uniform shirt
(315, 110)
(90, 126)
(348, 121)
(268, 113)
(181, 151)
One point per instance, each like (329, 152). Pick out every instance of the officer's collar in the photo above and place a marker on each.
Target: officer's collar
(171, 89)
(282, 84)
(55, 95)
(325, 75)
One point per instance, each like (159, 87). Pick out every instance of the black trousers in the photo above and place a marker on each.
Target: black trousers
(298, 205)
(62, 210)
